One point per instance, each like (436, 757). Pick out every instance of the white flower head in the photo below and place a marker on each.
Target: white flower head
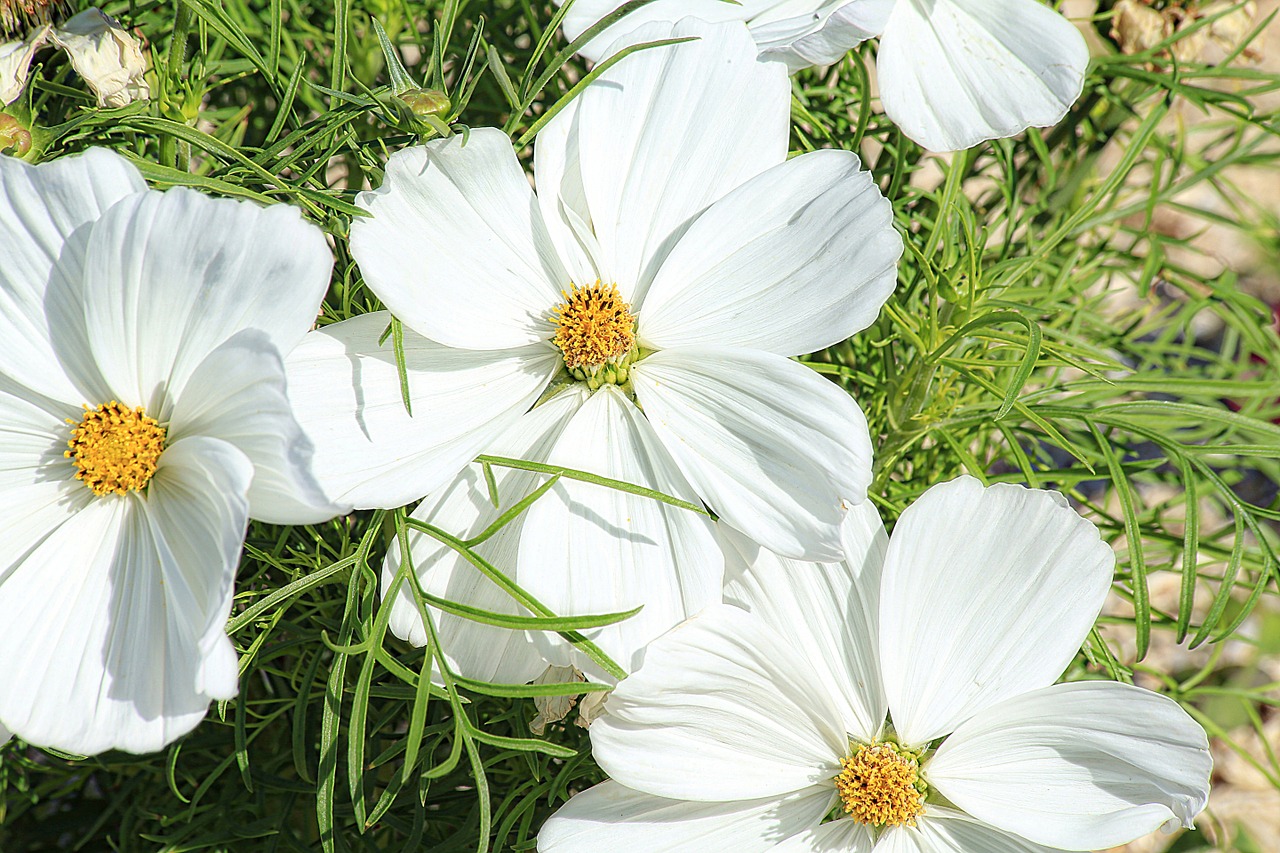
(951, 73)
(670, 262)
(102, 52)
(910, 688)
(143, 420)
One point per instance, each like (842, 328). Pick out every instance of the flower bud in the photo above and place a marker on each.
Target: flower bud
(15, 140)
(426, 102)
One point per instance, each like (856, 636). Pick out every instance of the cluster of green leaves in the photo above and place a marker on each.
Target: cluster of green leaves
(1004, 353)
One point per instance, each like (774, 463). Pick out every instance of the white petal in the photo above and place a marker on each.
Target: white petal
(107, 56)
(198, 506)
(723, 708)
(796, 259)
(463, 508)
(238, 394)
(588, 548)
(557, 169)
(837, 836)
(826, 610)
(944, 830)
(669, 130)
(170, 276)
(987, 593)
(1078, 766)
(612, 817)
(114, 624)
(370, 452)
(456, 247)
(38, 489)
(798, 32)
(15, 64)
(955, 72)
(45, 216)
(775, 449)
(802, 33)
(585, 13)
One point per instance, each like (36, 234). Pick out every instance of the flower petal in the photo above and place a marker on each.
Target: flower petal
(170, 276)
(723, 708)
(557, 169)
(456, 246)
(802, 33)
(106, 55)
(587, 548)
(1078, 766)
(463, 508)
(197, 505)
(38, 489)
(837, 836)
(114, 623)
(828, 611)
(796, 259)
(584, 14)
(667, 131)
(15, 64)
(775, 449)
(370, 452)
(238, 395)
(612, 817)
(955, 72)
(944, 830)
(46, 213)
(987, 593)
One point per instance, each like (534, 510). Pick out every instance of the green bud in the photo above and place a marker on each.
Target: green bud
(426, 102)
(15, 140)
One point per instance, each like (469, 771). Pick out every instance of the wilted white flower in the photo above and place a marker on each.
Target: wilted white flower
(951, 72)
(143, 420)
(909, 687)
(106, 55)
(671, 261)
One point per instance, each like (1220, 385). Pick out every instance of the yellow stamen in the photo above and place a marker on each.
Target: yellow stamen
(594, 327)
(115, 448)
(880, 785)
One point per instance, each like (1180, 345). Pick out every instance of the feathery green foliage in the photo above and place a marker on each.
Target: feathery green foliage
(1042, 332)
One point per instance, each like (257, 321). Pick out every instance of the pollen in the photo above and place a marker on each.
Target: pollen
(880, 785)
(115, 448)
(594, 327)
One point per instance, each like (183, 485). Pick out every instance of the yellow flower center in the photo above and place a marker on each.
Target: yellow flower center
(880, 785)
(115, 448)
(595, 330)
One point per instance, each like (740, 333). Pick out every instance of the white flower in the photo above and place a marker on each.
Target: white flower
(15, 63)
(102, 52)
(742, 730)
(951, 73)
(143, 420)
(678, 258)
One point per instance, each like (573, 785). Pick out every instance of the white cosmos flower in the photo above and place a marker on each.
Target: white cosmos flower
(741, 730)
(951, 73)
(678, 258)
(102, 52)
(143, 420)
